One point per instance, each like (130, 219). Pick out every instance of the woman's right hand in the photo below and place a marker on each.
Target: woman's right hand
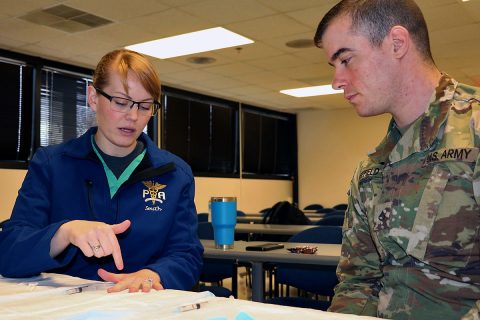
(93, 238)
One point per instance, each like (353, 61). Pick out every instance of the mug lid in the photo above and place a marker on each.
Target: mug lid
(223, 199)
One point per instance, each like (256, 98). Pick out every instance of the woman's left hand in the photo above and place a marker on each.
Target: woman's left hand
(143, 280)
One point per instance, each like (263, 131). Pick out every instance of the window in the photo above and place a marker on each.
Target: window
(64, 111)
(269, 143)
(45, 102)
(202, 130)
(16, 120)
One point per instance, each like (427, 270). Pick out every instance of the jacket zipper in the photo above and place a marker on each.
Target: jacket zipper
(89, 186)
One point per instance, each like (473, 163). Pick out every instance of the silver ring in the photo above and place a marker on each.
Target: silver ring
(96, 248)
(149, 281)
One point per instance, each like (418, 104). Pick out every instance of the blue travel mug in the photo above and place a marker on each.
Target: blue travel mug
(224, 219)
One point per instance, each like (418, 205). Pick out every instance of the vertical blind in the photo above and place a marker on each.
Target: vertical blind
(64, 112)
(16, 119)
(269, 141)
(202, 132)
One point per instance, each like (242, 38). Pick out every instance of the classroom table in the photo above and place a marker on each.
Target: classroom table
(46, 297)
(279, 229)
(309, 214)
(326, 255)
(259, 219)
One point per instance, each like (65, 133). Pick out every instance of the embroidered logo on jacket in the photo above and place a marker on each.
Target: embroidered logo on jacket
(153, 194)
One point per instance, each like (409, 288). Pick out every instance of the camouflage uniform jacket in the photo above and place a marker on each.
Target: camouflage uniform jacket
(411, 234)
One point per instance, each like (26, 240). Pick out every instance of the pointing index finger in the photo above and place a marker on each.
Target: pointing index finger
(116, 252)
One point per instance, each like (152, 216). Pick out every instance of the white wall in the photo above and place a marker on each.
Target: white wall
(10, 182)
(252, 195)
(330, 145)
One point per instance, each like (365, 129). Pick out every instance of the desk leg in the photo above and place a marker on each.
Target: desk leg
(258, 282)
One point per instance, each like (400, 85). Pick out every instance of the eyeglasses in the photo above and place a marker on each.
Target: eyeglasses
(124, 105)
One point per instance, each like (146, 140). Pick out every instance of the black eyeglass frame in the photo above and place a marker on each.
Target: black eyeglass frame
(156, 105)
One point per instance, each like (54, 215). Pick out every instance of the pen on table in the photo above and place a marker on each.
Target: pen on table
(193, 306)
(89, 287)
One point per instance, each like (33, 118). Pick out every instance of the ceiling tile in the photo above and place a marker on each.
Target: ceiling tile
(284, 61)
(227, 11)
(268, 27)
(249, 52)
(252, 73)
(27, 31)
(118, 10)
(232, 69)
(289, 5)
(168, 23)
(16, 8)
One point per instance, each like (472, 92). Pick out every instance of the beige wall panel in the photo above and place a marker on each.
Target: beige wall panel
(330, 145)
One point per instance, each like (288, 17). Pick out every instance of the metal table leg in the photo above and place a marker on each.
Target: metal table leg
(258, 282)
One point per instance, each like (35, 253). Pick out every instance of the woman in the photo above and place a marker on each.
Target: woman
(108, 204)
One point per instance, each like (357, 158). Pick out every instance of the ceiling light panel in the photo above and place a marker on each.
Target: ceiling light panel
(311, 91)
(189, 43)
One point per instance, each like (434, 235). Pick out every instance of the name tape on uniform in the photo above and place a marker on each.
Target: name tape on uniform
(458, 154)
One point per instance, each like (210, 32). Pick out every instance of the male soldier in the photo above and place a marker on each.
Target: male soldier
(411, 236)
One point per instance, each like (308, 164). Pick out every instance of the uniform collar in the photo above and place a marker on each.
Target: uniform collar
(423, 132)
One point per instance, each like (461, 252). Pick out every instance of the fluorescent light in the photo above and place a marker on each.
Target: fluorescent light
(193, 42)
(311, 91)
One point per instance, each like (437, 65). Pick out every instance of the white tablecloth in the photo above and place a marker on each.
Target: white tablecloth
(45, 297)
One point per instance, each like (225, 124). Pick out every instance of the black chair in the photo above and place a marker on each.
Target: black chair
(341, 206)
(313, 206)
(264, 211)
(282, 212)
(2, 223)
(327, 210)
(241, 213)
(215, 271)
(331, 220)
(335, 212)
(314, 280)
(202, 217)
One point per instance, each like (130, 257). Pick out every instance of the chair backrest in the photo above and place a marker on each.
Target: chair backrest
(335, 212)
(341, 206)
(241, 213)
(313, 206)
(320, 234)
(326, 210)
(331, 220)
(285, 213)
(205, 230)
(2, 223)
(318, 279)
(202, 217)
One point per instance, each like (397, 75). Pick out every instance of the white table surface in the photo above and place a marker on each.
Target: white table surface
(50, 302)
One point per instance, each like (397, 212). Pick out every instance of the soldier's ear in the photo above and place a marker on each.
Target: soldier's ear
(399, 39)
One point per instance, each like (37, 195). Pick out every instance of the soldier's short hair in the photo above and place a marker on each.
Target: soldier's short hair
(375, 18)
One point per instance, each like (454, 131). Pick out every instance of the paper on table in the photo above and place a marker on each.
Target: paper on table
(12, 289)
(50, 302)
